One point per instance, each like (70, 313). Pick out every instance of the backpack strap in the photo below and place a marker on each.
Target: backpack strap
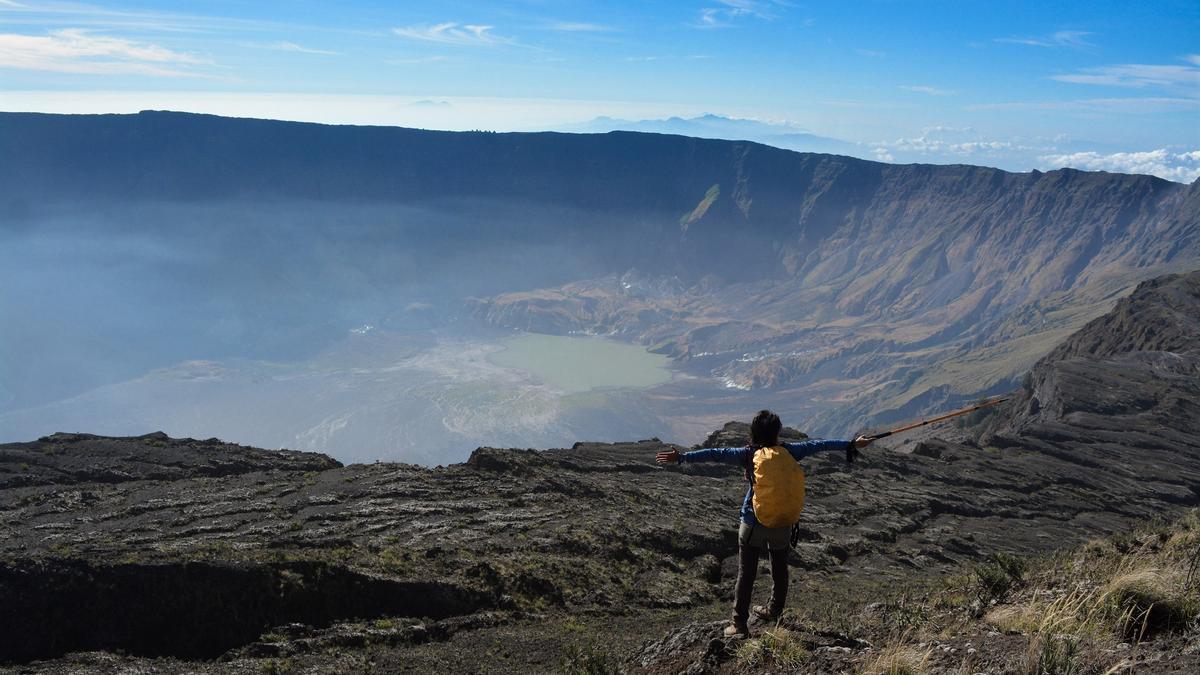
(748, 463)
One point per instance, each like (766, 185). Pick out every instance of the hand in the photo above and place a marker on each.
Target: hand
(667, 457)
(862, 442)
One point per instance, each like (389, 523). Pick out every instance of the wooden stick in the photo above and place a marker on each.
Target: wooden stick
(947, 416)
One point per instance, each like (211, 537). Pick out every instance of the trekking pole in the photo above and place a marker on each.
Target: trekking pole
(940, 418)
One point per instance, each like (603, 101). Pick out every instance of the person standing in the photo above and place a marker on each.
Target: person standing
(771, 508)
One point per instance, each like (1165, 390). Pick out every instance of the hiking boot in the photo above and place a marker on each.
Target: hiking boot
(737, 629)
(764, 613)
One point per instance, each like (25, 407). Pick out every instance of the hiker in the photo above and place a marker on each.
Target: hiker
(768, 515)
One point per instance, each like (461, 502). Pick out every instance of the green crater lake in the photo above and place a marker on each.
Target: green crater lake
(578, 364)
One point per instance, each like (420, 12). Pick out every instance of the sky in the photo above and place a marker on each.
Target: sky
(1021, 85)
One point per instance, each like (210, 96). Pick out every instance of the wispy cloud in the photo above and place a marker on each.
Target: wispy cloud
(1140, 75)
(870, 53)
(78, 14)
(1062, 38)
(726, 12)
(74, 50)
(926, 89)
(1177, 166)
(451, 33)
(285, 46)
(417, 60)
(1131, 105)
(580, 27)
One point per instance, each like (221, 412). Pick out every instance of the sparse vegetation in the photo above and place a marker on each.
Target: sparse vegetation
(996, 577)
(898, 659)
(588, 660)
(777, 646)
(277, 667)
(1053, 655)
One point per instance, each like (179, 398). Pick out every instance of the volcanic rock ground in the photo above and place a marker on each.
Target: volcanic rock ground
(185, 555)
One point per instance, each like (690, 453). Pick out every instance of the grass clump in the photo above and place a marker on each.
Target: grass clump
(898, 659)
(1049, 655)
(778, 646)
(1144, 603)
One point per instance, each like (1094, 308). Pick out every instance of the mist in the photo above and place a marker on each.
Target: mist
(100, 300)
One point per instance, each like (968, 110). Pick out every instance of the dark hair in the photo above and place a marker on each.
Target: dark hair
(764, 429)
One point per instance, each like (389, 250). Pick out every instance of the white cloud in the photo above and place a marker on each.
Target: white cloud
(926, 89)
(1139, 75)
(451, 33)
(1062, 38)
(727, 11)
(1177, 166)
(926, 144)
(1136, 105)
(870, 53)
(285, 46)
(74, 50)
(420, 59)
(943, 130)
(580, 27)
(711, 17)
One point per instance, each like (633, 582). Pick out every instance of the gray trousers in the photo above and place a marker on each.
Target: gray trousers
(752, 539)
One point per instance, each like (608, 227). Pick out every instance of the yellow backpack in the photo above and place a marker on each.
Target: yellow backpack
(778, 487)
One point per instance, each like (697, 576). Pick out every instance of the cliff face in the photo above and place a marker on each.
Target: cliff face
(1126, 383)
(517, 553)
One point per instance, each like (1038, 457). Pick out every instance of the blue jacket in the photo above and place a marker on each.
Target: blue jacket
(741, 457)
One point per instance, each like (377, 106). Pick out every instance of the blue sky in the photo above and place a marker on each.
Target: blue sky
(1098, 85)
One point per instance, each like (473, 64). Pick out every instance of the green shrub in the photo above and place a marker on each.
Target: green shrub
(996, 577)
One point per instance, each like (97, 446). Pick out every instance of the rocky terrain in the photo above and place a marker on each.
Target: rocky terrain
(173, 555)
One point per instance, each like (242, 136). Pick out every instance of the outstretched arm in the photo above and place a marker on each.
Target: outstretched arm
(803, 449)
(726, 455)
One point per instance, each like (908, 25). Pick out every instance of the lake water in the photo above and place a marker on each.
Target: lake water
(578, 364)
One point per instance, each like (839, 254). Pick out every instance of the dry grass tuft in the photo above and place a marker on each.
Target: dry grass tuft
(899, 659)
(1148, 601)
(777, 646)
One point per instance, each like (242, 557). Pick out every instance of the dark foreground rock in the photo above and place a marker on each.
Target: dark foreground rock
(177, 552)
(65, 459)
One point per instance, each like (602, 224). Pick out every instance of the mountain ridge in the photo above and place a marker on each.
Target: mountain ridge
(853, 292)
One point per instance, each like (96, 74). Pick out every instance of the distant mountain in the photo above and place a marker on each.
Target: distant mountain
(839, 290)
(780, 135)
